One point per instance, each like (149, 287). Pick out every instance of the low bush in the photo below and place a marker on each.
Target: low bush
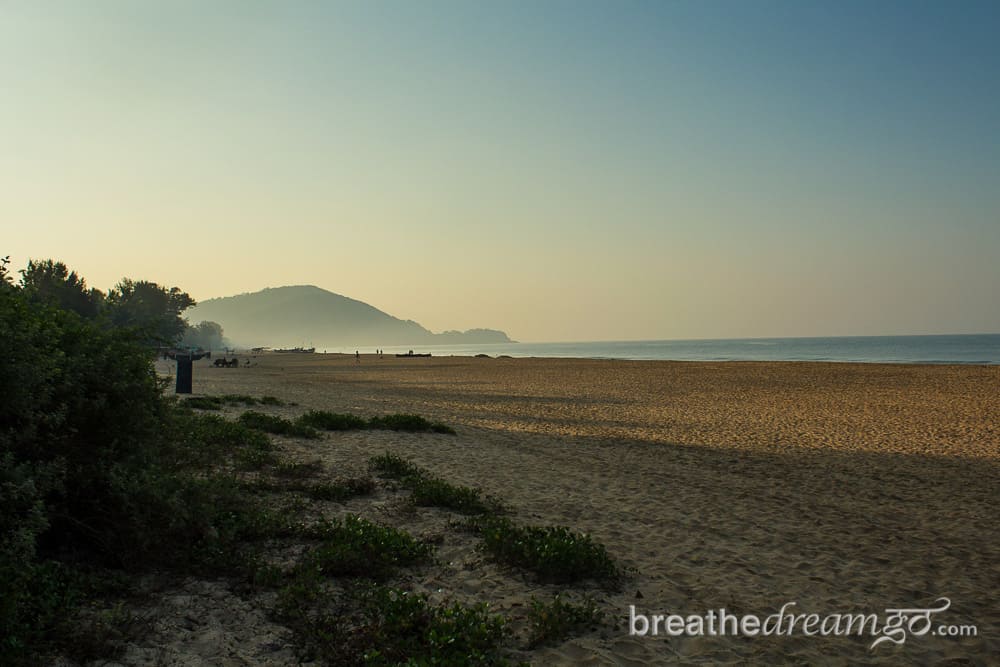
(393, 467)
(99, 470)
(239, 399)
(331, 421)
(555, 554)
(204, 403)
(411, 423)
(276, 425)
(359, 548)
(558, 619)
(399, 627)
(271, 400)
(217, 402)
(381, 626)
(434, 492)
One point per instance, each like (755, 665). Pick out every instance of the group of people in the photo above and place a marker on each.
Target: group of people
(357, 355)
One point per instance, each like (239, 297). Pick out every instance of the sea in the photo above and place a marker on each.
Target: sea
(938, 349)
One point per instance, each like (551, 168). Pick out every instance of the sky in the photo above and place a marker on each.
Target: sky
(563, 171)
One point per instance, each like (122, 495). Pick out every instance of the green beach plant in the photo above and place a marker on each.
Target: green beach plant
(558, 619)
(331, 421)
(392, 466)
(555, 554)
(410, 423)
(276, 425)
(359, 548)
(382, 626)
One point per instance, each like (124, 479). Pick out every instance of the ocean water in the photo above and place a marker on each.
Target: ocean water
(949, 349)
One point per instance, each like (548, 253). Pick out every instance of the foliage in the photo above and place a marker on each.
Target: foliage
(271, 400)
(411, 423)
(382, 626)
(205, 335)
(558, 619)
(331, 421)
(238, 399)
(218, 402)
(360, 548)
(196, 440)
(98, 468)
(46, 281)
(6, 280)
(276, 425)
(555, 554)
(150, 309)
(400, 627)
(393, 467)
(430, 491)
(435, 492)
(204, 403)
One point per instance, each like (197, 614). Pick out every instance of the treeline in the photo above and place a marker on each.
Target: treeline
(94, 460)
(146, 307)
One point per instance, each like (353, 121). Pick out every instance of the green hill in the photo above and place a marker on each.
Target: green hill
(305, 315)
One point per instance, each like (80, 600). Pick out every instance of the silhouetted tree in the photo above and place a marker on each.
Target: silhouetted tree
(150, 308)
(46, 281)
(206, 335)
(6, 280)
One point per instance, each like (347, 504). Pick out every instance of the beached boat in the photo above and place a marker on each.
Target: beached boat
(411, 354)
(298, 350)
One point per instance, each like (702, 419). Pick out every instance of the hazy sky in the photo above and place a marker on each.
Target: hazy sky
(560, 170)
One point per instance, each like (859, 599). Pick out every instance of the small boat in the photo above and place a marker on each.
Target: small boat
(298, 350)
(410, 354)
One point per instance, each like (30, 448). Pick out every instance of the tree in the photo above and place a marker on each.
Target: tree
(150, 308)
(46, 281)
(205, 335)
(6, 281)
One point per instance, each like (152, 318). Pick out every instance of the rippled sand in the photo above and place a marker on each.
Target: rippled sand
(840, 487)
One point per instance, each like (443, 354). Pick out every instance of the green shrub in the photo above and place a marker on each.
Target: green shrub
(35, 596)
(382, 626)
(553, 553)
(331, 421)
(393, 467)
(357, 547)
(196, 440)
(97, 466)
(411, 423)
(399, 627)
(276, 425)
(433, 492)
(217, 402)
(271, 400)
(255, 459)
(341, 490)
(239, 399)
(204, 403)
(556, 620)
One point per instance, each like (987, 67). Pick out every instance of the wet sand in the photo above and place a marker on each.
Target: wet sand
(844, 488)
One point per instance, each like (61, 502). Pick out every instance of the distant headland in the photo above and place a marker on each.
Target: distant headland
(298, 314)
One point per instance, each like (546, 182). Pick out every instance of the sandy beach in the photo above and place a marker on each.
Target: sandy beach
(844, 488)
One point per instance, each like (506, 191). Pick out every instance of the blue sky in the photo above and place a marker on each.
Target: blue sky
(561, 170)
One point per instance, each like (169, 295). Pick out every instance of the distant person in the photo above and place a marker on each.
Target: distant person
(357, 356)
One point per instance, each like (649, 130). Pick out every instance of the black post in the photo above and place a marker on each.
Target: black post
(184, 373)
